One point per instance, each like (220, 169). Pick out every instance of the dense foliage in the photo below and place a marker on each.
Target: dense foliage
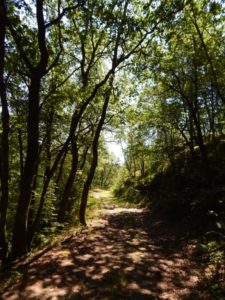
(175, 129)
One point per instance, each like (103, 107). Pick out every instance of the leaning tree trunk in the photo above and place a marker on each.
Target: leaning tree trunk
(73, 128)
(60, 170)
(4, 140)
(94, 162)
(48, 178)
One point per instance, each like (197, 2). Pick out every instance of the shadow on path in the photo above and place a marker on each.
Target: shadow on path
(127, 255)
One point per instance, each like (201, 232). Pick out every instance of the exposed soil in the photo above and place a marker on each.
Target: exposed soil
(127, 254)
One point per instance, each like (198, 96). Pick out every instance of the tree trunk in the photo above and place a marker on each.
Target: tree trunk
(94, 162)
(191, 133)
(20, 139)
(73, 127)
(84, 156)
(69, 184)
(44, 191)
(195, 122)
(4, 140)
(19, 242)
(200, 140)
(64, 150)
(60, 171)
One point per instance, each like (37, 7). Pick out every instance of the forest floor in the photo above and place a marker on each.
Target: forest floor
(125, 253)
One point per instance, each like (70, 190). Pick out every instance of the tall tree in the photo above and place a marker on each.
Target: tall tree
(4, 157)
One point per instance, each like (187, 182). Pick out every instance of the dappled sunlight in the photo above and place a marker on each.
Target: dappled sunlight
(118, 257)
(119, 210)
(101, 194)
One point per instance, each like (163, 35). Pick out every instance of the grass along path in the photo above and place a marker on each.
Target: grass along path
(123, 254)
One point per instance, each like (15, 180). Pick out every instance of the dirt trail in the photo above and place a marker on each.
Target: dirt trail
(125, 255)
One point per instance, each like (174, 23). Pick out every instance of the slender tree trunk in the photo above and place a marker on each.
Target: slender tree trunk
(191, 133)
(20, 151)
(200, 139)
(94, 162)
(49, 141)
(69, 184)
(142, 166)
(60, 171)
(47, 144)
(73, 127)
(33, 200)
(135, 166)
(4, 141)
(44, 191)
(188, 142)
(84, 156)
(64, 150)
(195, 122)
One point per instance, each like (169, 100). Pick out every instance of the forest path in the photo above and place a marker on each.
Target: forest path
(127, 254)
